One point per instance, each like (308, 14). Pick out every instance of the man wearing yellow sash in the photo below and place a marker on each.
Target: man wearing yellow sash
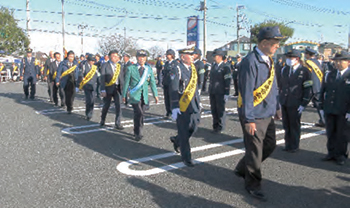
(29, 72)
(185, 103)
(66, 78)
(46, 73)
(317, 76)
(112, 80)
(87, 80)
(53, 66)
(257, 101)
(15, 72)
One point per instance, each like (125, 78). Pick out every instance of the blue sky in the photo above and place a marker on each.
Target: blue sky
(315, 20)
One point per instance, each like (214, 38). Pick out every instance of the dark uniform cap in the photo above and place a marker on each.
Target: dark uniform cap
(293, 53)
(219, 52)
(141, 53)
(197, 51)
(270, 33)
(82, 55)
(86, 54)
(341, 56)
(170, 52)
(29, 50)
(126, 54)
(238, 56)
(91, 57)
(204, 59)
(112, 51)
(187, 50)
(310, 51)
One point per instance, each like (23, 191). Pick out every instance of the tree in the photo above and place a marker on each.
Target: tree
(118, 42)
(12, 38)
(155, 51)
(285, 30)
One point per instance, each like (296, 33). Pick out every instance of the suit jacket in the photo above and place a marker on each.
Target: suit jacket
(168, 67)
(200, 72)
(47, 66)
(335, 94)
(132, 78)
(70, 77)
(180, 78)
(52, 69)
(220, 79)
(296, 88)
(107, 75)
(29, 69)
(91, 85)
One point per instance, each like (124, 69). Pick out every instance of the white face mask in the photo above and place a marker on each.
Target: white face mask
(291, 62)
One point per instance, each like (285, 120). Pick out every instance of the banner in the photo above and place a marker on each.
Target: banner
(192, 31)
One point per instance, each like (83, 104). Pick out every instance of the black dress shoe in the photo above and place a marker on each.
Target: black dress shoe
(238, 173)
(285, 149)
(102, 124)
(188, 163)
(328, 158)
(69, 112)
(340, 161)
(138, 138)
(320, 125)
(119, 127)
(88, 118)
(257, 194)
(176, 147)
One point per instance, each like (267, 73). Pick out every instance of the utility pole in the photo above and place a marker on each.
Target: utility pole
(203, 7)
(28, 19)
(82, 27)
(238, 27)
(63, 32)
(124, 38)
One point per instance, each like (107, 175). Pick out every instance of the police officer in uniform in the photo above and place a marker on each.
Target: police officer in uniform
(200, 68)
(52, 69)
(138, 78)
(207, 68)
(170, 65)
(112, 88)
(335, 104)
(256, 76)
(235, 73)
(295, 94)
(47, 65)
(29, 72)
(66, 79)
(87, 80)
(185, 109)
(159, 67)
(219, 90)
(314, 66)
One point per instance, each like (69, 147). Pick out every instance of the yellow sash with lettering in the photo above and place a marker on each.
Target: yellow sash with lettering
(115, 76)
(15, 69)
(261, 92)
(88, 77)
(68, 71)
(190, 90)
(312, 66)
(42, 69)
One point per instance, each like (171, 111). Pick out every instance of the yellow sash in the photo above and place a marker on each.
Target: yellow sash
(68, 71)
(261, 92)
(54, 75)
(88, 77)
(48, 72)
(42, 69)
(189, 91)
(2, 68)
(15, 69)
(115, 76)
(312, 66)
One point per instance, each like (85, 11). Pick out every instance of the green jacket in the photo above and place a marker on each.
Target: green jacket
(132, 78)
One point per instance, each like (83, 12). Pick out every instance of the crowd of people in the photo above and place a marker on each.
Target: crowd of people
(265, 91)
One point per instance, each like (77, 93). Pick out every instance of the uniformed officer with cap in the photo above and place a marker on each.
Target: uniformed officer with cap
(185, 104)
(112, 83)
(138, 77)
(335, 104)
(87, 80)
(170, 65)
(200, 67)
(159, 67)
(257, 103)
(235, 73)
(219, 90)
(207, 67)
(295, 94)
(29, 72)
(317, 73)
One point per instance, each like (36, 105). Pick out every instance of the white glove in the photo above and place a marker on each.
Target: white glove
(76, 89)
(226, 98)
(174, 113)
(322, 113)
(347, 116)
(300, 109)
(199, 92)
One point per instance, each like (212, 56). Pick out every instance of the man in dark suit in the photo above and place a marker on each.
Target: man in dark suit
(335, 105)
(127, 63)
(235, 73)
(185, 104)
(159, 67)
(219, 90)
(87, 80)
(112, 81)
(29, 73)
(52, 69)
(200, 68)
(170, 65)
(295, 94)
(207, 67)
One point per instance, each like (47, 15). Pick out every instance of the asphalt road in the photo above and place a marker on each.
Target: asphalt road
(52, 159)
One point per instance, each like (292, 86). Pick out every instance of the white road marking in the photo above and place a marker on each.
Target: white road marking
(124, 167)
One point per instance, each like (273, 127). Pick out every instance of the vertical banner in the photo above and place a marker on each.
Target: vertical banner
(192, 31)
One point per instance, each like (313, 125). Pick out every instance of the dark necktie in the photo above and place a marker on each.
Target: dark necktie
(338, 76)
(291, 72)
(141, 71)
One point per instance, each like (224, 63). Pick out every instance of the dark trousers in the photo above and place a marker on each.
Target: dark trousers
(235, 85)
(257, 149)
(187, 124)
(159, 76)
(49, 88)
(315, 103)
(292, 127)
(98, 84)
(206, 76)
(217, 107)
(336, 139)
(167, 99)
(29, 82)
(107, 102)
(69, 93)
(89, 102)
(53, 94)
(139, 113)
